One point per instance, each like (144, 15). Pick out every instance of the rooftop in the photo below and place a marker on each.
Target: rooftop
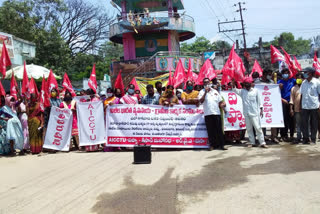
(152, 5)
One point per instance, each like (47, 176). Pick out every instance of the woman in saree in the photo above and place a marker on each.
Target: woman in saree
(35, 125)
(14, 134)
(22, 112)
(69, 103)
(4, 144)
(168, 98)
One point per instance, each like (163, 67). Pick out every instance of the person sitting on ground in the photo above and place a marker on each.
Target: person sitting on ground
(190, 96)
(168, 98)
(151, 98)
(252, 110)
(129, 98)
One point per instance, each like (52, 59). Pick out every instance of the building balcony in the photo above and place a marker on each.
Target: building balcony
(153, 22)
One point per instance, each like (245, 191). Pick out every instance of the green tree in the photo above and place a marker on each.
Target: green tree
(201, 44)
(290, 44)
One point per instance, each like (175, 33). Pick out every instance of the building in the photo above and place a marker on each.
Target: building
(151, 32)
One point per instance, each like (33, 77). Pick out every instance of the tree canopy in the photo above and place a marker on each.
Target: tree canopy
(201, 44)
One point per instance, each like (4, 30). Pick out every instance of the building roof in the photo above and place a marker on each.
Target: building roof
(152, 5)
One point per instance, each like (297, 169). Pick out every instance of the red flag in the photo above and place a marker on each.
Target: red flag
(44, 97)
(234, 66)
(67, 85)
(206, 71)
(13, 86)
(293, 70)
(51, 82)
(170, 80)
(4, 60)
(92, 83)
(33, 87)
(316, 64)
(256, 68)
(2, 92)
(119, 83)
(179, 75)
(297, 64)
(191, 76)
(25, 82)
(225, 79)
(276, 55)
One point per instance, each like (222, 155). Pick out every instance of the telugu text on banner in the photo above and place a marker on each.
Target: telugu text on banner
(234, 119)
(58, 133)
(91, 123)
(272, 106)
(175, 127)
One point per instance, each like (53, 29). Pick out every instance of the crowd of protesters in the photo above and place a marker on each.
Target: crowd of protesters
(23, 126)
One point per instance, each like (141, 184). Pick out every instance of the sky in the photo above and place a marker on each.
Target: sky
(262, 18)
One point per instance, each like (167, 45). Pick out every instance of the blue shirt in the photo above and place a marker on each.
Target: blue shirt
(286, 90)
(150, 100)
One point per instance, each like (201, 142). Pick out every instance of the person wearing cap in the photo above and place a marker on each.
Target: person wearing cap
(310, 91)
(102, 96)
(252, 111)
(286, 84)
(212, 104)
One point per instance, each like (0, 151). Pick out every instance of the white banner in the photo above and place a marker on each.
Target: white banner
(91, 123)
(158, 126)
(272, 105)
(58, 133)
(234, 119)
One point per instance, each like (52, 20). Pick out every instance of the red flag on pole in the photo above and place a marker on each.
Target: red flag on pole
(225, 79)
(4, 60)
(206, 71)
(2, 92)
(44, 97)
(256, 68)
(25, 82)
(170, 80)
(297, 64)
(234, 66)
(119, 83)
(67, 85)
(276, 55)
(13, 86)
(191, 75)
(51, 82)
(179, 75)
(316, 64)
(33, 87)
(92, 83)
(289, 62)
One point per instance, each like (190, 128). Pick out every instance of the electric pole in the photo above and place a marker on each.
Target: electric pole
(242, 24)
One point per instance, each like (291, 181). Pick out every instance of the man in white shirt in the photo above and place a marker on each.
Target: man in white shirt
(212, 103)
(252, 110)
(310, 90)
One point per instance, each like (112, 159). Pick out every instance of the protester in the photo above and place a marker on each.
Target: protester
(252, 110)
(129, 98)
(69, 103)
(54, 101)
(4, 117)
(216, 84)
(266, 78)
(286, 84)
(158, 86)
(168, 98)
(198, 87)
(103, 96)
(82, 92)
(310, 90)
(255, 77)
(35, 124)
(212, 103)
(137, 94)
(190, 96)
(295, 106)
(151, 98)
(22, 112)
(178, 94)
(118, 96)
(110, 97)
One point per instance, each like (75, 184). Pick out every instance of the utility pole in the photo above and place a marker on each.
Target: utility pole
(242, 24)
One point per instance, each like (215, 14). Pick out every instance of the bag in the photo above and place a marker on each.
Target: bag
(142, 154)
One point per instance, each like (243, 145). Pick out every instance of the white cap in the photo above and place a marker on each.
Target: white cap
(102, 93)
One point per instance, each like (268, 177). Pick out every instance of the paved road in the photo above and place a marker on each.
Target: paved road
(281, 179)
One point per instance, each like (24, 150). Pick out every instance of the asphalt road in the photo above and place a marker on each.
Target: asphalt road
(282, 179)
